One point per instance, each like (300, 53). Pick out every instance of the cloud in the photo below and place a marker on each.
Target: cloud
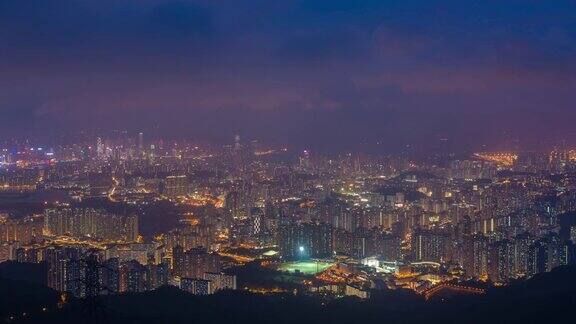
(291, 67)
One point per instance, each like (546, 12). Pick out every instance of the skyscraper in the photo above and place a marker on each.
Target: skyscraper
(141, 142)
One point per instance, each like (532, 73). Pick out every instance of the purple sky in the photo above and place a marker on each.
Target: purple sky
(324, 73)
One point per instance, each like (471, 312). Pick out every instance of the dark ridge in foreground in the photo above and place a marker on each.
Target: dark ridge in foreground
(546, 297)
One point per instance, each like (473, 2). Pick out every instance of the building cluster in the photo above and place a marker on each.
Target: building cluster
(395, 221)
(92, 223)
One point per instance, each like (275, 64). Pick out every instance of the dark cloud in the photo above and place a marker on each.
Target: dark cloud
(335, 72)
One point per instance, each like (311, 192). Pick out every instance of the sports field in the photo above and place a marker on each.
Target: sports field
(305, 267)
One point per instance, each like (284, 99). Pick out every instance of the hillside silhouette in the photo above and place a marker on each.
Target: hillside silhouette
(546, 297)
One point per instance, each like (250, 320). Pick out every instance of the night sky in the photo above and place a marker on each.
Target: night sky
(318, 73)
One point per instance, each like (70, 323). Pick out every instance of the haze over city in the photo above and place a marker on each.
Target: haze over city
(331, 74)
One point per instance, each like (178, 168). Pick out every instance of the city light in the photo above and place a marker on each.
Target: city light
(326, 161)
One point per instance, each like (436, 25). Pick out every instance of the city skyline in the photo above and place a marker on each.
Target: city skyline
(258, 161)
(118, 217)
